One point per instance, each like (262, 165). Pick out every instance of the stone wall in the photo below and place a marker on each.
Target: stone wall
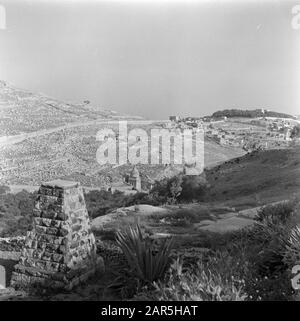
(60, 251)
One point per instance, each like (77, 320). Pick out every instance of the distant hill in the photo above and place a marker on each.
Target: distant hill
(249, 113)
(22, 111)
(51, 139)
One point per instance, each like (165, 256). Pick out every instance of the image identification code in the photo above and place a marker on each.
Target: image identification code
(161, 310)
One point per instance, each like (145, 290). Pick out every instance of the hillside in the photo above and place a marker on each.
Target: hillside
(249, 113)
(71, 154)
(22, 111)
(42, 139)
(256, 178)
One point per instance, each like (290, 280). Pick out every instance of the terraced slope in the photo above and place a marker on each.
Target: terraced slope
(22, 111)
(43, 139)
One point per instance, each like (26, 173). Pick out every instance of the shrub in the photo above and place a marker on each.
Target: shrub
(105, 234)
(100, 203)
(194, 284)
(255, 255)
(179, 188)
(193, 188)
(140, 198)
(251, 264)
(167, 190)
(16, 212)
(279, 238)
(295, 131)
(145, 262)
(292, 248)
(270, 277)
(277, 213)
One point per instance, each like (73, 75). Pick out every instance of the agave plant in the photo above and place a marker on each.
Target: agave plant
(292, 254)
(147, 264)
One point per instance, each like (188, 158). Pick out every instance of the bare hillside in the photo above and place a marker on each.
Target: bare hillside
(257, 178)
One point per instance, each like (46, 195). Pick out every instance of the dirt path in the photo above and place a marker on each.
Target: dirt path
(232, 221)
(15, 139)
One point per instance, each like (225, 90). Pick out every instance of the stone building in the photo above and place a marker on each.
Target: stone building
(60, 251)
(174, 118)
(139, 181)
(287, 133)
(134, 179)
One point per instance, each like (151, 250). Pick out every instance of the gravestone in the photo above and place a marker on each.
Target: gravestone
(2, 277)
(60, 251)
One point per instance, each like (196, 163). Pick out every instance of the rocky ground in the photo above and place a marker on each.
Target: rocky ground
(102, 287)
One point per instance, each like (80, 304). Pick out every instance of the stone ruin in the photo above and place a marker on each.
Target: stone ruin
(60, 251)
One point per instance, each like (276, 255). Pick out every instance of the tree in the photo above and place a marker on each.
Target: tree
(175, 188)
(193, 188)
(295, 132)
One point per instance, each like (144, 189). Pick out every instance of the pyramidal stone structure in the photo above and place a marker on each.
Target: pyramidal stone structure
(60, 251)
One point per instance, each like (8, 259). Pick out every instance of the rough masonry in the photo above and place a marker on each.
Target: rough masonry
(60, 251)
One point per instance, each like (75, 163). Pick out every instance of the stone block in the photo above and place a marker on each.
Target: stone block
(61, 246)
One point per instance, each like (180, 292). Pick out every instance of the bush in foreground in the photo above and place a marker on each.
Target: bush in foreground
(147, 263)
(277, 213)
(194, 284)
(251, 264)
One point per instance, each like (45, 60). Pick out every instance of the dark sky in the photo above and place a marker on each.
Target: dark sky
(155, 58)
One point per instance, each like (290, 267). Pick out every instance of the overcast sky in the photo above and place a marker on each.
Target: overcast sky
(155, 58)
